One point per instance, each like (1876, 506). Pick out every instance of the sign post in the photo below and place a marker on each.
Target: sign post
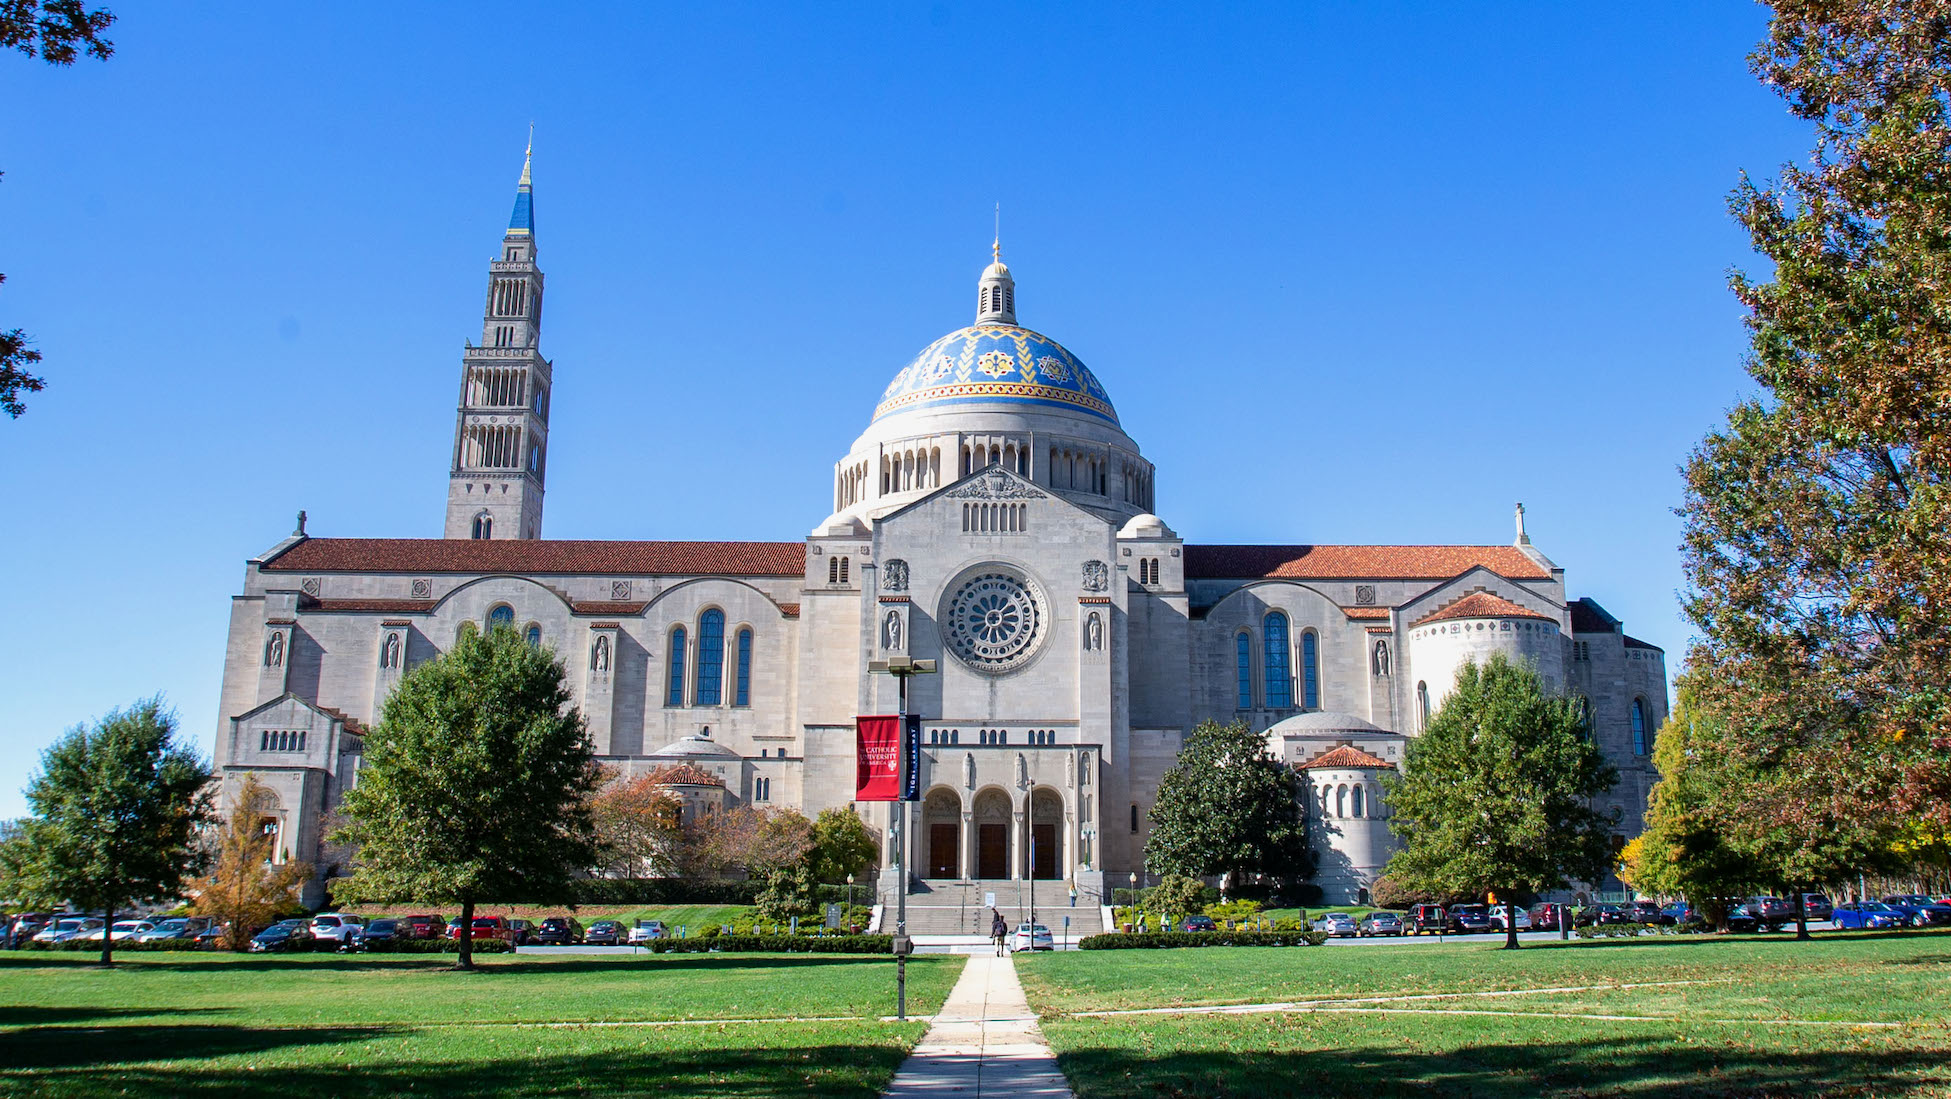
(900, 778)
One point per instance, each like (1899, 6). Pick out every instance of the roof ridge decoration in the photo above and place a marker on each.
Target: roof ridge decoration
(995, 483)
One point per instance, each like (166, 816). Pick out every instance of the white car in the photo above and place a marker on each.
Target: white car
(176, 927)
(1497, 918)
(336, 927)
(61, 930)
(1339, 925)
(1030, 937)
(123, 929)
(646, 930)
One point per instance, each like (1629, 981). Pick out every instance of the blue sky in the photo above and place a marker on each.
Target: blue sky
(1351, 272)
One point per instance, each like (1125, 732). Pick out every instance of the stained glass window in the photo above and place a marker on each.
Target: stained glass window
(1280, 682)
(1639, 726)
(1243, 656)
(743, 697)
(502, 615)
(1310, 674)
(711, 658)
(674, 693)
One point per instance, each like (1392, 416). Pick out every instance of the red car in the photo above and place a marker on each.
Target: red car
(423, 927)
(487, 927)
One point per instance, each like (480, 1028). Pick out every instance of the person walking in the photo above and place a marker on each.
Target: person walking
(998, 930)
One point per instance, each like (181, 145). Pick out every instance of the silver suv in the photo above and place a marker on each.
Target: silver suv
(337, 928)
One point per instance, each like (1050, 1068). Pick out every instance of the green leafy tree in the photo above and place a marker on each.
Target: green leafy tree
(1818, 518)
(842, 845)
(1228, 807)
(788, 892)
(116, 810)
(247, 888)
(1495, 795)
(58, 32)
(475, 786)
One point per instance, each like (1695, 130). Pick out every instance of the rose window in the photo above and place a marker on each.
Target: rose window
(994, 622)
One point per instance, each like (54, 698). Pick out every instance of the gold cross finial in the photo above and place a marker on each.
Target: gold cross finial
(996, 248)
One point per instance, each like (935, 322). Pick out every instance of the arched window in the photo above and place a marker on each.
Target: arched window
(742, 693)
(1243, 656)
(1639, 726)
(1280, 681)
(710, 690)
(1134, 819)
(833, 570)
(501, 615)
(534, 635)
(1422, 706)
(674, 690)
(484, 526)
(843, 570)
(1341, 801)
(1356, 802)
(1310, 674)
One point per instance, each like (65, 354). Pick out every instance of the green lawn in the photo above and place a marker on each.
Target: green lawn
(1742, 1027)
(324, 1024)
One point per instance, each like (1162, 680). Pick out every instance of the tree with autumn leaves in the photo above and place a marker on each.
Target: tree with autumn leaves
(1818, 518)
(248, 886)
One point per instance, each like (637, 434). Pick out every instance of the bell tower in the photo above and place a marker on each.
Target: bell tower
(501, 429)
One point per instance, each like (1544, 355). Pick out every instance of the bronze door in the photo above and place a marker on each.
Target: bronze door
(992, 851)
(941, 850)
(1046, 852)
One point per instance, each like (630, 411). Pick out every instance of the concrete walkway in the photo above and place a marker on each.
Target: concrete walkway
(984, 1042)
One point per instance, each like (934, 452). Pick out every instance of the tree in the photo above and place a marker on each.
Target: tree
(247, 888)
(1494, 796)
(115, 814)
(1227, 807)
(1817, 520)
(842, 845)
(57, 31)
(475, 785)
(636, 825)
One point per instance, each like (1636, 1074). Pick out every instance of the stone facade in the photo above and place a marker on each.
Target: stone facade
(994, 517)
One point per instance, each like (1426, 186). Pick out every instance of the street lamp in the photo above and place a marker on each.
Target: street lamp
(850, 890)
(901, 668)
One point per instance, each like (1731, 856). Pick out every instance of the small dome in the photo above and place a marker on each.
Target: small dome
(996, 270)
(1317, 722)
(698, 746)
(841, 524)
(1146, 526)
(996, 364)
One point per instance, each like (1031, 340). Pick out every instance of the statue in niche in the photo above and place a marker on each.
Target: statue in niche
(1022, 770)
(892, 634)
(274, 656)
(1381, 658)
(599, 656)
(1094, 632)
(391, 658)
(968, 770)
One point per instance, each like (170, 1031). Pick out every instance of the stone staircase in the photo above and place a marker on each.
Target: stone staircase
(956, 908)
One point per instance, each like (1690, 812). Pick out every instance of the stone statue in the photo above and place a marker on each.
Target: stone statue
(1022, 770)
(1381, 658)
(1094, 632)
(968, 770)
(392, 657)
(599, 657)
(894, 575)
(275, 655)
(893, 640)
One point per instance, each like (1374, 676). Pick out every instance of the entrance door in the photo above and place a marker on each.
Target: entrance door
(941, 850)
(1046, 852)
(992, 851)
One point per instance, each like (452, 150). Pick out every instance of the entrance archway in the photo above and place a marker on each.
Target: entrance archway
(992, 820)
(1046, 834)
(941, 826)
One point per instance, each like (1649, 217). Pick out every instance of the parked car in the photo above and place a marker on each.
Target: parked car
(123, 929)
(24, 926)
(1641, 912)
(1470, 918)
(605, 932)
(283, 935)
(1430, 919)
(212, 937)
(423, 927)
(336, 928)
(1380, 923)
(646, 930)
(1922, 911)
(520, 931)
(1198, 923)
(62, 928)
(1868, 916)
(1338, 925)
(1817, 907)
(383, 931)
(1549, 916)
(485, 928)
(1032, 937)
(1593, 915)
(1677, 913)
(176, 927)
(1769, 913)
(559, 931)
(1497, 917)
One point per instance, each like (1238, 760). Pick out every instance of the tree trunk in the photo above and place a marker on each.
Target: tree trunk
(1801, 914)
(1510, 924)
(467, 936)
(108, 937)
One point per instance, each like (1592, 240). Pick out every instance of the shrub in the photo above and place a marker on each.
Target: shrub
(1390, 892)
(1234, 910)
(713, 941)
(120, 945)
(1178, 895)
(435, 946)
(1171, 940)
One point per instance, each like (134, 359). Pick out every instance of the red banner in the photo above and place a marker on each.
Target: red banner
(877, 758)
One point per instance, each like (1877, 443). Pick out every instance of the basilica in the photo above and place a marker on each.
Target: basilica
(994, 516)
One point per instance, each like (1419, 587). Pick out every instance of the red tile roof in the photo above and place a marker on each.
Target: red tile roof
(789, 610)
(628, 609)
(1481, 604)
(1366, 612)
(1356, 562)
(430, 555)
(684, 774)
(376, 606)
(1343, 757)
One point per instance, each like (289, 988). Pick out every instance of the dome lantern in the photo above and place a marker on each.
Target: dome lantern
(996, 291)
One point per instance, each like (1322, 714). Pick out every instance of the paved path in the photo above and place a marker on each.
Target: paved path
(984, 1042)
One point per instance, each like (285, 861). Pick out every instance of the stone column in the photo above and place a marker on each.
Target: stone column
(965, 851)
(1019, 855)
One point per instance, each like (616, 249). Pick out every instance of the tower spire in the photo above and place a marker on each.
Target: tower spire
(521, 223)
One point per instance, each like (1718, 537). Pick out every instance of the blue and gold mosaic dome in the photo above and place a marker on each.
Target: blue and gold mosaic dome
(996, 364)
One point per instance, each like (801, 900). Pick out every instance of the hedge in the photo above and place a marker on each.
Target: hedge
(775, 944)
(434, 946)
(121, 945)
(665, 891)
(1167, 940)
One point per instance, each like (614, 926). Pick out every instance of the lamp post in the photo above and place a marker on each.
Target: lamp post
(850, 890)
(901, 668)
